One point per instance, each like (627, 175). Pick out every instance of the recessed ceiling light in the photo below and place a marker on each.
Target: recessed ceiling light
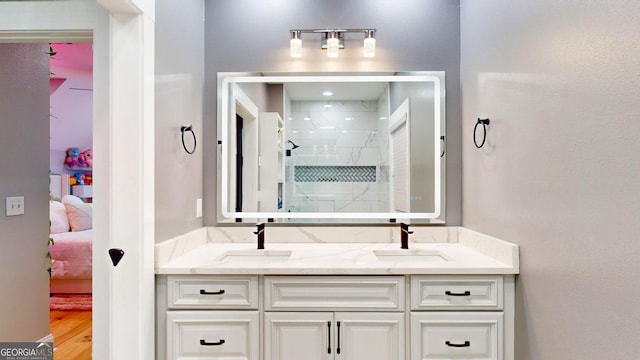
(348, 119)
(307, 118)
(327, 93)
(327, 127)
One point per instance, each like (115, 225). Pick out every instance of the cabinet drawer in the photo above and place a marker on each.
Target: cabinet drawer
(335, 293)
(453, 335)
(456, 293)
(212, 335)
(212, 292)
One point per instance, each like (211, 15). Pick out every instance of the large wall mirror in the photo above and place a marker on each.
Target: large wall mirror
(331, 148)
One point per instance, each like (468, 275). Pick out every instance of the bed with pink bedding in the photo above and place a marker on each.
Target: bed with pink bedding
(71, 267)
(71, 251)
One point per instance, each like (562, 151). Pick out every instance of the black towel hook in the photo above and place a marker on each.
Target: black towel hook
(484, 123)
(184, 129)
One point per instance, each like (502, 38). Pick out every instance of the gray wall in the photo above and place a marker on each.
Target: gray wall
(559, 176)
(413, 35)
(179, 66)
(24, 171)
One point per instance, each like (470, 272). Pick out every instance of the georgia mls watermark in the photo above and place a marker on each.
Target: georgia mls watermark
(26, 351)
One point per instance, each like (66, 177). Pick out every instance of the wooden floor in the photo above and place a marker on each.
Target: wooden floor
(71, 334)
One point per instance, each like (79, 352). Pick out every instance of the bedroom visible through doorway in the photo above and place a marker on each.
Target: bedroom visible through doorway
(71, 203)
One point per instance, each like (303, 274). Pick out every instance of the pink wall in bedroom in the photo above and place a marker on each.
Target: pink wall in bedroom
(71, 105)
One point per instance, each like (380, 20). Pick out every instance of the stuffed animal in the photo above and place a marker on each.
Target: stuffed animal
(88, 157)
(82, 160)
(79, 178)
(88, 179)
(72, 158)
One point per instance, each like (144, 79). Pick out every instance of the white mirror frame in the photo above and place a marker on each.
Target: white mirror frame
(227, 83)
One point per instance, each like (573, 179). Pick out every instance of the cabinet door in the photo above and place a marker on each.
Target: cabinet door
(212, 335)
(298, 335)
(370, 336)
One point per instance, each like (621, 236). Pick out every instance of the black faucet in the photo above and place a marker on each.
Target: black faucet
(260, 233)
(404, 235)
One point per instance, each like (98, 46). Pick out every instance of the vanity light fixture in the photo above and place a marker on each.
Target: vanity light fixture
(295, 44)
(333, 44)
(332, 40)
(370, 43)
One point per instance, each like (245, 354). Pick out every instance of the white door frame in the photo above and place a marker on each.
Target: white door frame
(250, 146)
(123, 105)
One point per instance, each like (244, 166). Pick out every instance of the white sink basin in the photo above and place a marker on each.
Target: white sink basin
(409, 255)
(255, 256)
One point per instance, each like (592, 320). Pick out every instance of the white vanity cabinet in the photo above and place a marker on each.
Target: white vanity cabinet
(462, 317)
(208, 317)
(339, 335)
(334, 317)
(313, 317)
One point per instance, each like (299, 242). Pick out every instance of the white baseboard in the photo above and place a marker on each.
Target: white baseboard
(48, 338)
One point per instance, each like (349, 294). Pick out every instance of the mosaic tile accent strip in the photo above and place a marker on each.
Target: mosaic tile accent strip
(334, 173)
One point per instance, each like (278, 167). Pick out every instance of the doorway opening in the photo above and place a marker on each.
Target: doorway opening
(71, 189)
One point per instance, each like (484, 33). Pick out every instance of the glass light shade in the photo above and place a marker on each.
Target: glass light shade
(296, 48)
(369, 47)
(332, 47)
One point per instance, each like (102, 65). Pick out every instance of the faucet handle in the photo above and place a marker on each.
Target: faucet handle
(405, 227)
(259, 228)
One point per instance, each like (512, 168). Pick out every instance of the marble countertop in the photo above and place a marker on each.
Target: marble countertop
(465, 257)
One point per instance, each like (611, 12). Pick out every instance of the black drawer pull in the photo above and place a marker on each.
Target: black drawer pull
(466, 344)
(205, 343)
(466, 293)
(338, 342)
(204, 292)
(329, 336)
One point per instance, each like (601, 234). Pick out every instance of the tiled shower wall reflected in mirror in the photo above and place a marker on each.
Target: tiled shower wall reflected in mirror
(343, 153)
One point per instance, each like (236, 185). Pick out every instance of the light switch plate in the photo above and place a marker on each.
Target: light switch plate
(15, 205)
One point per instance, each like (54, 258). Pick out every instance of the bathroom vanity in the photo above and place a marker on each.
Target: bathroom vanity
(369, 155)
(309, 296)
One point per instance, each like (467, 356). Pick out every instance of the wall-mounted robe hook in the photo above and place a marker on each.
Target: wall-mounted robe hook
(444, 145)
(184, 129)
(484, 123)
